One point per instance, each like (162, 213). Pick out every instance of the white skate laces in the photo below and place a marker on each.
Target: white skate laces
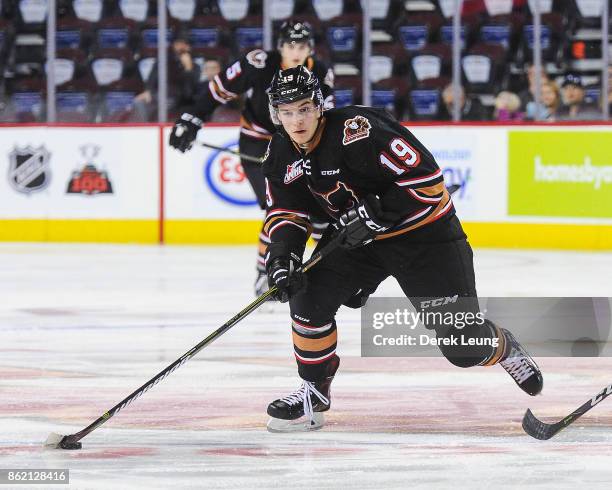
(309, 419)
(303, 395)
(517, 366)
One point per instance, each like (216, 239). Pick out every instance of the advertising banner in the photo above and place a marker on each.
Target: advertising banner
(80, 184)
(560, 173)
(472, 159)
(207, 184)
(79, 173)
(539, 186)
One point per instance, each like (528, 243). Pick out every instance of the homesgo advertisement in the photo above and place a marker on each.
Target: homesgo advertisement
(560, 173)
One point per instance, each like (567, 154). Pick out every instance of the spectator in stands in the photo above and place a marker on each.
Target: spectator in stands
(507, 107)
(550, 101)
(574, 107)
(183, 79)
(210, 68)
(226, 113)
(528, 95)
(470, 108)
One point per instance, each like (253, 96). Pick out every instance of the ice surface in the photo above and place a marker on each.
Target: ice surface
(81, 326)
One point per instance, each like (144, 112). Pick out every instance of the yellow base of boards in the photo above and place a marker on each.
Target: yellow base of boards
(76, 230)
(239, 232)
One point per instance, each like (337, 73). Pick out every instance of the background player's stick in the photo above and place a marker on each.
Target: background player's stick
(540, 430)
(250, 158)
(59, 441)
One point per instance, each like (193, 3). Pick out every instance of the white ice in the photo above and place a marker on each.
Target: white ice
(81, 326)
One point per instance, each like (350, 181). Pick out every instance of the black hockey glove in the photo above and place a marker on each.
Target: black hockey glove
(281, 267)
(360, 225)
(184, 132)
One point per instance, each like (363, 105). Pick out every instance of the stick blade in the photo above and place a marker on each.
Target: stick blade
(536, 428)
(59, 441)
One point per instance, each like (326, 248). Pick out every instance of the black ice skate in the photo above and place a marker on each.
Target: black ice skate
(519, 364)
(303, 409)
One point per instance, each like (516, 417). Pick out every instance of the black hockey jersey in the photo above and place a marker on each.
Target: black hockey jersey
(356, 151)
(252, 74)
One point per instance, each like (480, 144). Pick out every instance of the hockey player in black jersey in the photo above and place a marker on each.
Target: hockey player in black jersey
(252, 75)
(385, 193)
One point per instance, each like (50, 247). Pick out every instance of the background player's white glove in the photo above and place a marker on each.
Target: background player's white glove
(184, 132)
(360, 225)
(281, 267)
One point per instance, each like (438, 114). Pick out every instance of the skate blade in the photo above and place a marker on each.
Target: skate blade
(299, 425)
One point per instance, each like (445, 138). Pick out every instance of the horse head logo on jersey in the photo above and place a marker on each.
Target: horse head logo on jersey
(356, 129)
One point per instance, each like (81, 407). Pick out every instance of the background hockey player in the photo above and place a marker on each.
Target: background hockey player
(252, 75)
(386, 194)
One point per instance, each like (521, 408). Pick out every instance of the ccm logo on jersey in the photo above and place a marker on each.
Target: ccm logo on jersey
(356, 129)
(439, 301)
(330, 172)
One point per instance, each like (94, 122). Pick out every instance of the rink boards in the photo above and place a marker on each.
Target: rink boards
(522, 186)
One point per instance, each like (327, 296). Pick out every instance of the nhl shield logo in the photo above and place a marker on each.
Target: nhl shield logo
(29, 169)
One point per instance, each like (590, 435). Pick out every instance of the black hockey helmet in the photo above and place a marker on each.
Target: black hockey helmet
(295, 31)
(292, 85)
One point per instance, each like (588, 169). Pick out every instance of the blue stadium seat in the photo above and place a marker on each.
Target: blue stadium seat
(26, 100)
(347, 90)
(446, 35)
(344, 97)
(72, 106)
(343, 35)
(204, 37)
(113, 38)
(72, 33)
(425, 103)
(390, 94)
(149, 37)
(553, 37)
(342, 38)
(117, 105)
(248, 38)
(117, 100)
(413, 37)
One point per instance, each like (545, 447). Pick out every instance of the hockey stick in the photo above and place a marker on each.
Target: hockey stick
(249, 158)
(540, 430)
(59, 441)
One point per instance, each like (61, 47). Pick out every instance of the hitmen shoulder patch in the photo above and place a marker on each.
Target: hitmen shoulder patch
(355, 129)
